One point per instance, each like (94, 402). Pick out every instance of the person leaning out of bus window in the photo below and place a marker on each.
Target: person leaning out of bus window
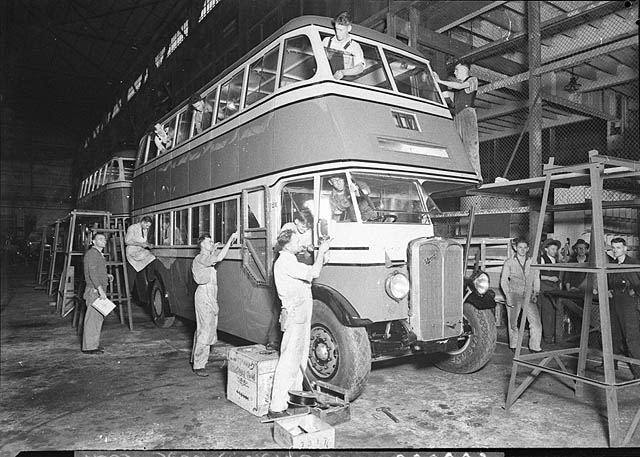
(206, 299)
(302, 227)
(350, 60)
(163, 137)
(202, 113)
(138, 248)
(293, 283)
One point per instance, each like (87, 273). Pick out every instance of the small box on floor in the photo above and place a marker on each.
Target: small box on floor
(333, 403)
(250, 377)
(304, 432)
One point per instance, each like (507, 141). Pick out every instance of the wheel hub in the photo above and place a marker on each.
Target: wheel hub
(323, 353)
(157, 303)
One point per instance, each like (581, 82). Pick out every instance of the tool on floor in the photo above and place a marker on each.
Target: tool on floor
(387, 411)
(303, 397)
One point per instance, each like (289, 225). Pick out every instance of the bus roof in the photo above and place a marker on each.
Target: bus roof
(303, 21)
(294, 24)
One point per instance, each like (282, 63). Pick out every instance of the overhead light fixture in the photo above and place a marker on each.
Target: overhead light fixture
(573, 85)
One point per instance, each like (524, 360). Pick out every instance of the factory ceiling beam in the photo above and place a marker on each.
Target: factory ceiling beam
(443, 43)
(504, 110)
(548, 28)
(546, 123)
(114, 11)
(470, 16)
(578, 108)
(561, 64)
(624, 76)
(42, 24)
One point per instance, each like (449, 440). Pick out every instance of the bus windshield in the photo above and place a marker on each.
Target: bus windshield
(385, 199)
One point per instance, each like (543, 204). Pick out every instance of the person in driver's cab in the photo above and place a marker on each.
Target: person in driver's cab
(340, 200)
(350, 60)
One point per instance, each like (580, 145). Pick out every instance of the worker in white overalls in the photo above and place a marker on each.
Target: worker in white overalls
(293, 281)
(206, 299)
(138, 248)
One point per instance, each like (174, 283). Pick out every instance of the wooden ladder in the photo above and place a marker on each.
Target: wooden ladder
(118, 291)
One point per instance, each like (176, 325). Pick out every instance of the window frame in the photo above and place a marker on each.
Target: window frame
(235, 198)
(263, 53)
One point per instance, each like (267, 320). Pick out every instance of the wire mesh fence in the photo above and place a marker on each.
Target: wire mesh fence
(589, 97)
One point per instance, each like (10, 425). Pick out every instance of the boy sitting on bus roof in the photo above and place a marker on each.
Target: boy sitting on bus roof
(350, 60)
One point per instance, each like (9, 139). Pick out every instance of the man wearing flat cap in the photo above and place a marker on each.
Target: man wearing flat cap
(577, 280)
(550, 280)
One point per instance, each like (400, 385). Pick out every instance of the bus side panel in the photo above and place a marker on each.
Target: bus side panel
(256, 146)
(148, 191)
(224, 158)
(118, 199)
(365, 290)
(234, 298)
(305, 133)
(360, 135)
(179, 176)
(163, 182)
(182, 287)
(199, 169)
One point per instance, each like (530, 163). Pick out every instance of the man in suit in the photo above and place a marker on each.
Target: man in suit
(97, 280)
(624, 294)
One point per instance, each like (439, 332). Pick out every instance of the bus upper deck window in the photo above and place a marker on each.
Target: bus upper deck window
(153, 148)
(373, 73)
(298, 61)
(262, 77)
(207, 111)
(413, 77)
(230, 93)
(184, 126)
(170, 132)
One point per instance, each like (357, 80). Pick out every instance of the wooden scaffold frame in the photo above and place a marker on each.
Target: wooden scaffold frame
(595, 172)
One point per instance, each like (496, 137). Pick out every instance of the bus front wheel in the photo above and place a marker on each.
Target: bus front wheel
(157, 302)
(475, 345)
(337, 354)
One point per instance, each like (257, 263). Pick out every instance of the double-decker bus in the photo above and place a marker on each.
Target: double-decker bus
(276, 133)
(108, 187)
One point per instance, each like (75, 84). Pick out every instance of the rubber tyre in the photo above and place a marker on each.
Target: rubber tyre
(156, 305)
(338, 355)
(477, 348)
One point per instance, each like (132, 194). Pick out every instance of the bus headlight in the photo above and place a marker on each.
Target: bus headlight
(481, 283)
(397, 286)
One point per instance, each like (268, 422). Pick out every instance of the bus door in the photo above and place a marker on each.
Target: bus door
(257, 256)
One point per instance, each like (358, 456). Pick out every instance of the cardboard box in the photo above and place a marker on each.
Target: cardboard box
(303, 432)
(250, 377)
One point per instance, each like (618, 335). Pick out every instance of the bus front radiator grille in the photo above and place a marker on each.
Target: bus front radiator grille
(436, 287)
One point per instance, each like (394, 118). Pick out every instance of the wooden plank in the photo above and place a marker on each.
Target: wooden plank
(470, 16)
(547, 28)
(561, 63)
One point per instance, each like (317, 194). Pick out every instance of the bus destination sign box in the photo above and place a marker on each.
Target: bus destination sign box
(250, 377)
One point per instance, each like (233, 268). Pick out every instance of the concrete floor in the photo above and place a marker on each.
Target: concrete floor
(141, 394)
